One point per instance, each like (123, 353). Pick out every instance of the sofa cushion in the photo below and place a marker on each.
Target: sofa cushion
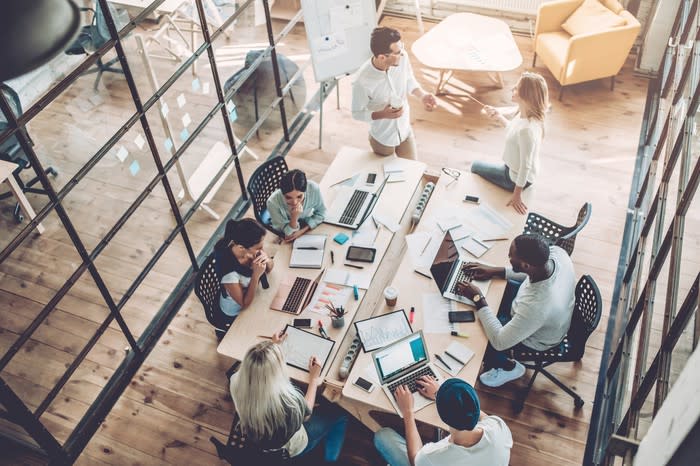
(613, 5)
(592, 16)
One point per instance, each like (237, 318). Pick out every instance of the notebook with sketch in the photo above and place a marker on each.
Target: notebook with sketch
(308, 251)
(300, 345)
(377, 332)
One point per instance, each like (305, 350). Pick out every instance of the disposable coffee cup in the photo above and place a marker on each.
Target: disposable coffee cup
(391, 294)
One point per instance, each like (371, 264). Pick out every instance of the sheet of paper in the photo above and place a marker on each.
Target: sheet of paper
(347, 15)
(422, 247)
(365, 235)
(310, 242)
(306, 258)
(370, 373)
(300, 345)
(329, 294)
(435, 309)
(475, 247)
(386, 221)
(379, 331)
(331, 45)
(487, 223)
(456, 356)
(343, 277)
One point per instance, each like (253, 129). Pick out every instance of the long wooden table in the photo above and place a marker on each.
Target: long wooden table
(259, 319)
(447, 196)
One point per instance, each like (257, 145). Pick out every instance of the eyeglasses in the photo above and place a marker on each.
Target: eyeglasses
(452, 173)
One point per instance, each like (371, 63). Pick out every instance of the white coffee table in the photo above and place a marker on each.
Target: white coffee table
(468, 42)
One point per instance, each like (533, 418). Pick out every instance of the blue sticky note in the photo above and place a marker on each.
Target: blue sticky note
(341, 238)
(184, 134)
(134, 167)
(168, 144)
(233, 115)
(195, 84)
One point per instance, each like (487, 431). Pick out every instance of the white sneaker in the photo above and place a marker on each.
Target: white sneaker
(497, 377)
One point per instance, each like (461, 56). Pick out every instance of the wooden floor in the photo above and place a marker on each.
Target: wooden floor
(179, 397)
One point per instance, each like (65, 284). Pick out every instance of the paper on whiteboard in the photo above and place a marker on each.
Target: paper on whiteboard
(435, 317)
(331, 45)
(347, 15)
(299, 346)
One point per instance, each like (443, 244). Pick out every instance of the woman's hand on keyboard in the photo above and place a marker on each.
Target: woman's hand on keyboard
(427, 386)
(404, 399)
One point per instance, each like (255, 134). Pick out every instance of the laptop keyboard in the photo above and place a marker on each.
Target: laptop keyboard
(296, 294)
(353, 208)
(462, 276)
(410, 380)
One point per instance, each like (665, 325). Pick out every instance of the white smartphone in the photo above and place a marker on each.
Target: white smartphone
(364, 384)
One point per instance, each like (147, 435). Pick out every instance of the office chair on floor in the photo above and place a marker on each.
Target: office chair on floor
(586, 316)
(264, 181)
(94, 35)
(207, 287)
(11, 151)
(562, 236)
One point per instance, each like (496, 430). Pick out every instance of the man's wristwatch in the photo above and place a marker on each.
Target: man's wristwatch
(476, 298)
(479, 301)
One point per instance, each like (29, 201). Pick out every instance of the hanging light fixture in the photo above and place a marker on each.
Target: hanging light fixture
(33, 32)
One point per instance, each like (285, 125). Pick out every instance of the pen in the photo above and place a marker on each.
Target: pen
(496, 239)
(376, 225)
(453, 357)
(353, 266)
(341, 181)
(332, 258)
(439, 358)
(458, 334)
(411, 314)
(426, 245)
(322, 331)
(421, 273)
(356, 292)
(265, 336)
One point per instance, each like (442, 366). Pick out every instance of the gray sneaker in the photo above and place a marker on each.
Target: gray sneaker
(497, 377)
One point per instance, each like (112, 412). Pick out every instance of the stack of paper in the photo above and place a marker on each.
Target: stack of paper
(307, 252)
(394, 170)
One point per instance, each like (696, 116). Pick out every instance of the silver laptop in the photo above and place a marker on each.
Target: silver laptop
(447, 271)
(402, 363)
(352, 206)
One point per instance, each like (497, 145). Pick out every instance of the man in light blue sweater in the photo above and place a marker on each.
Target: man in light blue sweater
(536, 308)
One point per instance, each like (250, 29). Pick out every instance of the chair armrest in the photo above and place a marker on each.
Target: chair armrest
(551, 15)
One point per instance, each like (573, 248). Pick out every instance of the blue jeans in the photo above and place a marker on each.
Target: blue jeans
(327, 421)
(391, 446)
(496, 173)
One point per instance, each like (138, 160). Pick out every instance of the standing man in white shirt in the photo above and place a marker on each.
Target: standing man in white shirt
(476, 439)
(380, 91)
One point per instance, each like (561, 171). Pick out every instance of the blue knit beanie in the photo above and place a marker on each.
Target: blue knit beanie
(458, 404)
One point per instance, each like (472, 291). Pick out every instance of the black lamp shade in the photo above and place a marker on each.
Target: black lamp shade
(32, 32)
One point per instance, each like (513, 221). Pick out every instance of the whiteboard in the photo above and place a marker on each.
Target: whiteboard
(338, 32)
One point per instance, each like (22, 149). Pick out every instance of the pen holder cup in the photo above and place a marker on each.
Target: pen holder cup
(338, 322)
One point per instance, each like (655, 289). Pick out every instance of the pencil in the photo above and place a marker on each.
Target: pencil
(496, 239)
(265, 336)
(354, 266)
(426, 245)
(455, 358)
(421, 273)
(341, 181)
(443, 361)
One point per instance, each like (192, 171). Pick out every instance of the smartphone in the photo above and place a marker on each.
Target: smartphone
(357, 253)
(371, 178)
(461, 316)
(303, 323)
(364, 384)
(474, 199)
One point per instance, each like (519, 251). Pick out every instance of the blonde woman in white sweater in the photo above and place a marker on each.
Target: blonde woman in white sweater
(524, 133)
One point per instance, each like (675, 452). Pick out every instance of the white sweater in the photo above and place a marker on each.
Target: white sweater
(522, 149)
(541, 311)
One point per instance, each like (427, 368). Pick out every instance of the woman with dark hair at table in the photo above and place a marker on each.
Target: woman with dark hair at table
(297, 206)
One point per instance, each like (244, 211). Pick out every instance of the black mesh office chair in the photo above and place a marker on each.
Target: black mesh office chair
(564, 237)
(11, 151)
(586, 316)
(264, 181)
(94, 35)
(208, 289)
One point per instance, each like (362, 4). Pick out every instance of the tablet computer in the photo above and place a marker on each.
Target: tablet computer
(377, 332)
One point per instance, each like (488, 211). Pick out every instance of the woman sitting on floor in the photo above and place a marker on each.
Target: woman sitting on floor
(524, 133)
(274, 414)
(240, 261)
(297, 206)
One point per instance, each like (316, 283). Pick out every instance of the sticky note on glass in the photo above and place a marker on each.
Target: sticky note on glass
(134, 167)
(186, 120)
(164, 109)
(205, 88)
(122, 153)
(181, 101)
(195, 84)
(184, 134)
(168, 144)
(233, 115)
(139, 141)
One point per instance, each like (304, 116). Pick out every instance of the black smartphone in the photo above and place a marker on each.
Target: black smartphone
(371, 178)
(461, 316)
(357, 253)
(364, 384)
(302, 323)
(474, 199)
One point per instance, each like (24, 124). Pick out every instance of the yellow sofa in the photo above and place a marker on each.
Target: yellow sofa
(584, 56)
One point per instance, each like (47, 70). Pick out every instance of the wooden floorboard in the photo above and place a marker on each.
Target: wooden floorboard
(179, 396)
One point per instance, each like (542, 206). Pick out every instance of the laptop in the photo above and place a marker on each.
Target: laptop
(352, 206)
(294, 294)
(402, 363)
(447, 271)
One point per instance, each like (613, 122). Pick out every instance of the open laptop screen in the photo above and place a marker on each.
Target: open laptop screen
(444, 259)
(400, 356)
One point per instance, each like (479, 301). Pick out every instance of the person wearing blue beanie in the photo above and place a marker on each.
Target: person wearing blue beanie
(476, 438)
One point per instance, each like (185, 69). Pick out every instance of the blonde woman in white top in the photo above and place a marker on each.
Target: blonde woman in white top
(524, 133)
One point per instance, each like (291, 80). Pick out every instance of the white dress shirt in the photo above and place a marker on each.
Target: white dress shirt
(373, 89)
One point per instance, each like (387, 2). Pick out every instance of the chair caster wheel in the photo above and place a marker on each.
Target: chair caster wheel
(52, 171)
(19, 218)
(578, 403)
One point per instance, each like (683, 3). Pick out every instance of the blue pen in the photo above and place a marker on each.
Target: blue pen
(356, 292)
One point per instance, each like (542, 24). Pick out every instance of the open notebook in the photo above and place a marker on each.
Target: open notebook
(308, 251)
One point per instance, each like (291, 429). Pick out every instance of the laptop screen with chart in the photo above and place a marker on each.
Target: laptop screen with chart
(377, 332)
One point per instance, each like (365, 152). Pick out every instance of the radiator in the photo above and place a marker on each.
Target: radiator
(510, 6)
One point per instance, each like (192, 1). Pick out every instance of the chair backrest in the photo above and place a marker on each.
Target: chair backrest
(10, 149)
(564, 237)
(264, 181)
(207, 287)
(586, 316)
(568, 239)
